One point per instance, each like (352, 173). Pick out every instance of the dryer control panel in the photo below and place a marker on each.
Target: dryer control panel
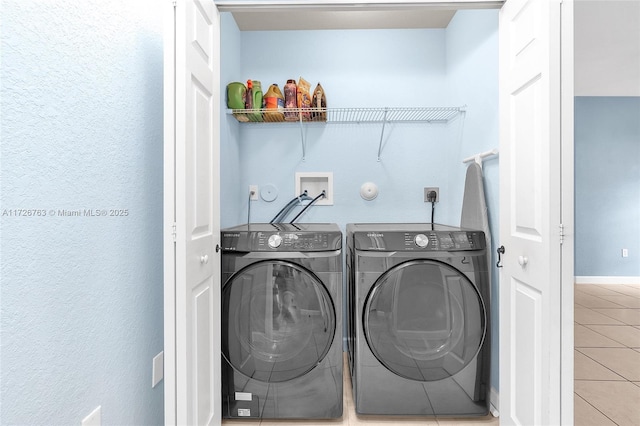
(419, 240)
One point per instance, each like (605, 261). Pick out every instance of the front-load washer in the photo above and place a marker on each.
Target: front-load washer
(418, 319)
(282, 321)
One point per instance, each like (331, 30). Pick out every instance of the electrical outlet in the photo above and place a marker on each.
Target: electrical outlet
(625, 252)
(157, 369)
(253, 190)
(93, 419)
(427, 190)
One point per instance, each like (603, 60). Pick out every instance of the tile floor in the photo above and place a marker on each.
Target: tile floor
(607, 367)
(607, 355)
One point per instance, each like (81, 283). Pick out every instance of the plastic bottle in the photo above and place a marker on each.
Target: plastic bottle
(290, 100)
(319, 102)
(248, 99)
(274, 104)
(257, 100)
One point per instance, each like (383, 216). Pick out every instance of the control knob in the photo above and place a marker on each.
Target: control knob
(274, 241)
(421, 240)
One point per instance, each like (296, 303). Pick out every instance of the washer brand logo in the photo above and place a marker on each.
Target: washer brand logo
(374, 235)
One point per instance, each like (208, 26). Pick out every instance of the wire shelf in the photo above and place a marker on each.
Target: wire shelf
(349, 115)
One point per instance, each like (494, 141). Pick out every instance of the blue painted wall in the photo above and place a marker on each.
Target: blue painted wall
(607, 193)
(81, 301)
(362, 68)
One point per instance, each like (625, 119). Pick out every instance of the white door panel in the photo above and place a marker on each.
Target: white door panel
(192, 287)
(530, 280)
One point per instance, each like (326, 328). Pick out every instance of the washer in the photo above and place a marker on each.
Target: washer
(418, 326)
(282, 321)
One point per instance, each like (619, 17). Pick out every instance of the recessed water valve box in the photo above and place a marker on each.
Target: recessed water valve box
(314, 183)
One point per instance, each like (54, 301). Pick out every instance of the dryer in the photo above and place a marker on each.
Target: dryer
(282, 321)
(418, 319)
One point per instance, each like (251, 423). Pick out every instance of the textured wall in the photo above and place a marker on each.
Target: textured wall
(81, 132)
(607, 194)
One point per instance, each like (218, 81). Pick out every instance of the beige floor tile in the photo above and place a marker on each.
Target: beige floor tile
(355, 420)
(623, 300)
(586, 338)
(472, 421)
(585, 414)
(595, 289)
(631, 290)
(587, 369)
(589, 316)
(625, 334)
(590, 301)
(280, 422)
(627, 316)
(624, 361)
(616, 400)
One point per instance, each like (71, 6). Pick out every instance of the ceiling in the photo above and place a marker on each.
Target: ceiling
(339, 20)
(255, 15)
(607, 47)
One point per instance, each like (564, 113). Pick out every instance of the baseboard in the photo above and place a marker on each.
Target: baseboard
(607, 280)
(494, 402)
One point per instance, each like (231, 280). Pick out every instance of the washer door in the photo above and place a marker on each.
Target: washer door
(424, 320)
(278, 321)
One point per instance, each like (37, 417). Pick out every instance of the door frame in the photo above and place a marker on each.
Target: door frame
(567, 188)
(567, 184)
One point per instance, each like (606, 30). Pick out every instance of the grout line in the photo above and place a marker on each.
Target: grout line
(595, 408)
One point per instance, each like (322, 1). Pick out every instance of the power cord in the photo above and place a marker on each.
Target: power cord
(431, 197)
(251, 194)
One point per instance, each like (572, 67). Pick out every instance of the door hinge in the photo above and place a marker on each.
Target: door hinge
(173, 231)
(561, 233)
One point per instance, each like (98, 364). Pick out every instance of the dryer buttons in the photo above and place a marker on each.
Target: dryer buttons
(421, 240)
(274, 241)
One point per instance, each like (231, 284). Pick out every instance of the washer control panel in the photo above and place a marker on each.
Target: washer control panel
(281, 241)
(292, 241)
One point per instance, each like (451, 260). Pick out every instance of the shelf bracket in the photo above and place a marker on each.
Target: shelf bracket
(302, 138)
(384, 122)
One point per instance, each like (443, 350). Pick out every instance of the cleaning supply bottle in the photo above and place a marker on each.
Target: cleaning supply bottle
(248, 98)
(257, 100)
(274, 104)
(319, 103)
(290, 100)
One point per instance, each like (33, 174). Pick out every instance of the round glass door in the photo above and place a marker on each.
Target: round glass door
(424, 320)
(278, 321)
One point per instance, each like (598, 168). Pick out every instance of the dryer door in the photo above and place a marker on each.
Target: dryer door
(424, 320)
(278, 321)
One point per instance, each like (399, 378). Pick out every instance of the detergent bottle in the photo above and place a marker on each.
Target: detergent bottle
(274, 104)
(257, 100)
